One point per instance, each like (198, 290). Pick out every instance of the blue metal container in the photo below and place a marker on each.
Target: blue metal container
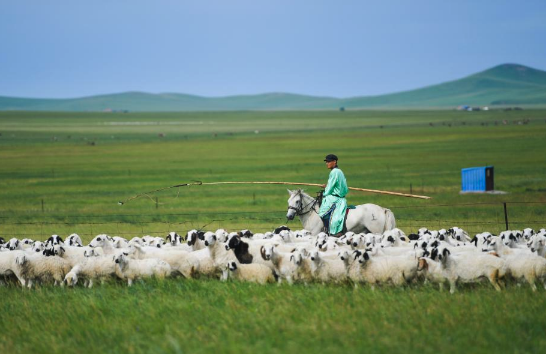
(477, 179)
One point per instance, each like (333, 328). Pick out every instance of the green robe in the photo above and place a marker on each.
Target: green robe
(334, 197)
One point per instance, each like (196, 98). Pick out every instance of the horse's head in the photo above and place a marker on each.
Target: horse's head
(295, 203)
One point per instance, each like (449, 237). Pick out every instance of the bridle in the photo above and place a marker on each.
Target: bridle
(300, 208)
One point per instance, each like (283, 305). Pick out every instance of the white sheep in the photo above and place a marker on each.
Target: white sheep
(257, 273)
(54, 240)
(327, 270)
(195, 240)
(283, 267)
(537, 243)
(174, 239)
(44, 268)
(397, 270)
(14, 244)
(468, 268)
(74, 240)
(10, 264)
(132, 269)
(182, 262)
(352, 266)
(521, 264)
(90, 269)
(104, 242)
(119, 242)
(304, 269)
(37, 246)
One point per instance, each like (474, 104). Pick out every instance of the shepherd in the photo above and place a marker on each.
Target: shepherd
(334, 205)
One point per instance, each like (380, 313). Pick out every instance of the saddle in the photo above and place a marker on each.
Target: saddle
(344, 230)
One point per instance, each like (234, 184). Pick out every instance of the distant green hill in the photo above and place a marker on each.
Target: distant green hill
(507, 84)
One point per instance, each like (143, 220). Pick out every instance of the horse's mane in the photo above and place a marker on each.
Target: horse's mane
(303, 194)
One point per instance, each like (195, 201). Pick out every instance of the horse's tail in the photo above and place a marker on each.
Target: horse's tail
(390, 222)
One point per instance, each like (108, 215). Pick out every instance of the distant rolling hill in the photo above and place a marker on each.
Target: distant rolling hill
(507, 84)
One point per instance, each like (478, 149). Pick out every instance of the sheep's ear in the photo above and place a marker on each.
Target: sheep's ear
(262, 251)
(446, 252)
(62, 249)
(125, 253)
(291, 257)
(366, 256)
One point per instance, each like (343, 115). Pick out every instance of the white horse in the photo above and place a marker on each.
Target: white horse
(365, 218)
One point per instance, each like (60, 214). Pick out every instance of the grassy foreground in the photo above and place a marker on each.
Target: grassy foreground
(209, 316)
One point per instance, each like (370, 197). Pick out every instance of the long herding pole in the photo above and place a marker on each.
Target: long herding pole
(198, 183)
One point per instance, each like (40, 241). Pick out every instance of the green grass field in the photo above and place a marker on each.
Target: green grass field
(82, 164)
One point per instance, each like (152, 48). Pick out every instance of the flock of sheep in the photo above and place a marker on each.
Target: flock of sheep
(439, 256)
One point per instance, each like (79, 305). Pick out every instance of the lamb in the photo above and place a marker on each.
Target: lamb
(463, 268)
(304, 270)
(240, 248)
(458, 234)
(496, 245)
(54, 240)
(44, 268)
(528, 233)
(103, 242)
(37, 246)
(358, 241)
(213, 255)
(530, 268)
(91, 268)
(257, 273)
(391, 239)
(181, 262)
(327, 270)
(74, 255)
(10, 264)
(537, 244)
(132, 269)
(119, 242)
(281, 262)
(471, 268)
(245, 233)
(174, 239)
(521, 264)
(352, 266)
(156, 242)
(196, 239)
(74, 240)
(221, 235)
(14, 244)
(27, 243)
(371, 240)
(147, 239)
(480, 239)
(397, 270)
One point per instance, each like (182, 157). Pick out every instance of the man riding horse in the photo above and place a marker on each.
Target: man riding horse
(334, 205)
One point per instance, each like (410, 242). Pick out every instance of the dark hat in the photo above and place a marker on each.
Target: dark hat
(330, 157)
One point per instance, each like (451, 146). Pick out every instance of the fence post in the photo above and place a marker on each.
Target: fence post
(505, 216)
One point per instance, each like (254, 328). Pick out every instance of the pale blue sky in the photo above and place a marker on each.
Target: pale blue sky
(73, 48)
